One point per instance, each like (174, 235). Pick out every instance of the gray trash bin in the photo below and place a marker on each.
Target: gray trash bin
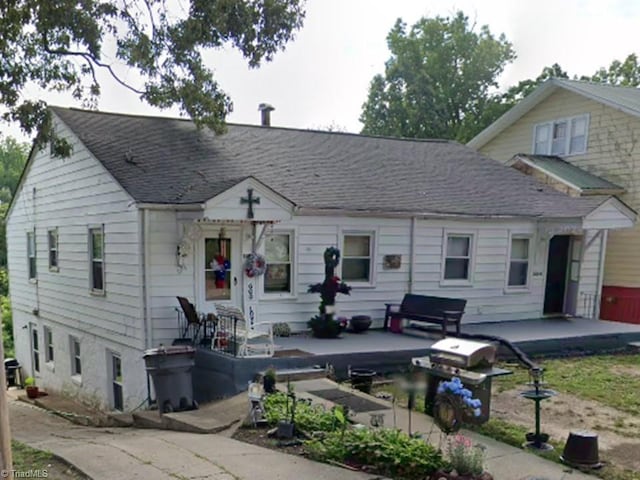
(170, 369)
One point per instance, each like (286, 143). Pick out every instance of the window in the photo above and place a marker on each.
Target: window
(278, 277)
(96, 254)
(357, 258)
(519, 262)
(76, 363)
(52, 236)
(35, 349)
(31, 255)
(457, 263)
(561, 137)
(48, 344)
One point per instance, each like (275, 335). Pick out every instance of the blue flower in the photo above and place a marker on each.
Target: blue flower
(477, 412)
(475, 403)
(466, 393)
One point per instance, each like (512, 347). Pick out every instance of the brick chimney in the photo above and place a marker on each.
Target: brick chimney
(265, 114)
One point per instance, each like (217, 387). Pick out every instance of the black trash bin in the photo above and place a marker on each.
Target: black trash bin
(170, 369)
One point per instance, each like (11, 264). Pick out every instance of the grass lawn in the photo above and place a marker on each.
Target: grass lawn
(27, 459)
(613, 380)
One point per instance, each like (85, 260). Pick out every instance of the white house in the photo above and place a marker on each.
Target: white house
(101, 243)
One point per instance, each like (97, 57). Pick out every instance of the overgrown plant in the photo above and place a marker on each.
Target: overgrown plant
(465, 457)
(388, 452)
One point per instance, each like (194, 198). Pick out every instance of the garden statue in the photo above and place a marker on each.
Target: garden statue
(324, 325)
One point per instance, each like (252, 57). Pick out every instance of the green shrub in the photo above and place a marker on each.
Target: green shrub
(388, 452)
(308, 418)
(7, 327)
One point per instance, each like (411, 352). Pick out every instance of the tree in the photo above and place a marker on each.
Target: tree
(438, 82)
(624, 74)
(13, 156)
(61, 46)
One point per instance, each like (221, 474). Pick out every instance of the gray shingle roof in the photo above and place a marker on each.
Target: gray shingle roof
(570, 173)
(169, 161)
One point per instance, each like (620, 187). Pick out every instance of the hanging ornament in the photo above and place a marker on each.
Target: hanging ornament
(255, 265)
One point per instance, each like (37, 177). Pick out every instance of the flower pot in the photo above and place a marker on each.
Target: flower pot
(32, 392)
(362, 379)
(360, 323)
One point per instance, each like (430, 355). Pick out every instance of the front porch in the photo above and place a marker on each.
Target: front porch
(218, 374)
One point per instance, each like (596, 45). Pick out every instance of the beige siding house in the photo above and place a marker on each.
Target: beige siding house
(595, 128)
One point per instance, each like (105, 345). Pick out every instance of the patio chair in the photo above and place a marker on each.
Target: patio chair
(232, 324)
(189, 322)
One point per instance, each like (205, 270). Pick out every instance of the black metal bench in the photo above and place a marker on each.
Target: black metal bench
(423, 308)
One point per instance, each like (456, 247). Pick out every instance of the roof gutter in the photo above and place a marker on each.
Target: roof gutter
(310, 211)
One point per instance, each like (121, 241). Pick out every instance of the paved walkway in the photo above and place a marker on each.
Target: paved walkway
(128, 453)
(131, 454)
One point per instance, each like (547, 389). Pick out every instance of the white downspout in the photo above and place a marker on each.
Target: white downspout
(599, 285)
(144, 221)
(412, 253)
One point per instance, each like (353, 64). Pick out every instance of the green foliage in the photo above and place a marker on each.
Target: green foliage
(309, 418)
(60, 46)
(27, 459)
(625, 74)
(7, 321)
(29, 382)
(438, 81)
(389, 452)
(13, 156)
(465, 457)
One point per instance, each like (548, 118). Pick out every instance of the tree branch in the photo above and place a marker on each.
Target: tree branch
(91, 60)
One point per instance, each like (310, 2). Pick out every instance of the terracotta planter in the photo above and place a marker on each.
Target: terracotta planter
(32, 392)
(442, 475)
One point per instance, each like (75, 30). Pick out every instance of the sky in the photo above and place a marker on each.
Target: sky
(322, 77)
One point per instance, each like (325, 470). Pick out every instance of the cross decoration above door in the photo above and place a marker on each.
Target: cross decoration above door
(251, 201)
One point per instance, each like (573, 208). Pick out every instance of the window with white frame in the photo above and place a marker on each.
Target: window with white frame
(566, 136)
(48, 345)
(278, 277)
(35, 349)
(31, 255)
(519, 262)
(76, 362)
(52, 236)
(96, 258)
(357, 257)
(458, 256)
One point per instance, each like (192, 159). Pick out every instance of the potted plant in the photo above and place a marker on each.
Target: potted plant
(269, 380)
(466, 461)
(324, 325)
(31, 388)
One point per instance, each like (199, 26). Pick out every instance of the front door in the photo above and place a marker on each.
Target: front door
(556, 274)
(219, 268)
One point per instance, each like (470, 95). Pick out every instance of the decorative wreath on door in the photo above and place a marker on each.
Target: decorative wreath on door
(220, 265)
(255, 265)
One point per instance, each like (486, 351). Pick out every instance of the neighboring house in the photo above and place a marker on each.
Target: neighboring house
(583, 139)
(149, 208)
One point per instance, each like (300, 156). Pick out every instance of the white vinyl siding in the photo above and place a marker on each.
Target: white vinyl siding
(357, 256)
(567, 136)
(96, 259)
(278, 278)
(52, 241)
(519, 260)
(31, 256)
(458, 258)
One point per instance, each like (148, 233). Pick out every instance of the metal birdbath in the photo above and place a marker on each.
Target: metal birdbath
(537, 440)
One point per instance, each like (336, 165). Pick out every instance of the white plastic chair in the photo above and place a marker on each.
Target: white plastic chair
(245, 334)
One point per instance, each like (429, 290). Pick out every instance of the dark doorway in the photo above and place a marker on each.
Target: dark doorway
(555, 289)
